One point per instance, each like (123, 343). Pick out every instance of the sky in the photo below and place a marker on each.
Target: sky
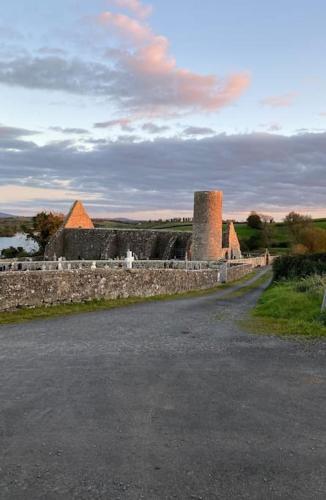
(132, 106)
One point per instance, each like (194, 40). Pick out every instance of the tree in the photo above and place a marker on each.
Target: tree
(266, 219)
(13, 252)
(254, 242)
(296, 223)
(310, 240)
(267, 233)
(45, 224)
(254, 221)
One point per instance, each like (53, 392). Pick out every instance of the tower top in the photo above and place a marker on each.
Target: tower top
(78, 218)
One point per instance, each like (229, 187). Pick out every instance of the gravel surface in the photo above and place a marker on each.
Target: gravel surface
(164, 400)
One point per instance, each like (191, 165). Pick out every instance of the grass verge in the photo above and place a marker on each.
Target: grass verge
(53, 311)
(289, 308)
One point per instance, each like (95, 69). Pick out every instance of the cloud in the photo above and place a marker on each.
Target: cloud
(123, 123)
(152, 128)
(13, 138)
(198, 131)
(259, 171)
(126, 27)
(14, 132)
(57, 73)
(68, 130)
(136, 74)
(135, 6)
(162, 84)
(128, 138)
(51, 51)
(323, 113)
(271, 127)
(281, 101)
(10, 193)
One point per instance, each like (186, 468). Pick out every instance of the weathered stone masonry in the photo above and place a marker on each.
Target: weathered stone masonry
(77, 239)
(35, 288)
(38, 288)
(102, 244)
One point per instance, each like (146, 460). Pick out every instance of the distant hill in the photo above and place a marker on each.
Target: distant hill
(3, 215)
(127, 221)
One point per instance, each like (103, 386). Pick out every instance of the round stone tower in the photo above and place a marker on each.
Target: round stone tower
(207, 225)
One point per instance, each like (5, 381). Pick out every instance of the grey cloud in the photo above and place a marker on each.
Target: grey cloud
(258, 171)
(271, 127)
(189, 131)
(11, 138)
(15, 132)
(56, 73)
(128, 138)
(112, 123)
(152, 128)
(51, 51)
(69, 130)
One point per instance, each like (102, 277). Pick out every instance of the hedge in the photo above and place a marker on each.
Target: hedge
(293, 266)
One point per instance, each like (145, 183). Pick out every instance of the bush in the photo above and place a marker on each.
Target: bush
(13, 252)
(254, 221)
(322, 318)
(313, 283)
(294, 266)
(254, 242)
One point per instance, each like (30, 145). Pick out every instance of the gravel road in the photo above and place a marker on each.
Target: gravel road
(161, 400)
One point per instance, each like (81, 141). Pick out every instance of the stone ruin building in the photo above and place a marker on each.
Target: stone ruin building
(77, 239)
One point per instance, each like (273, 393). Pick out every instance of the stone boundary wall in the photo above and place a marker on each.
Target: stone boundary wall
(34, 288)
(254, 261)
(236, 272)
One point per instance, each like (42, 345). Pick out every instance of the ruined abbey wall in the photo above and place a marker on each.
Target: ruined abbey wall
(99, 244)
(78, 240)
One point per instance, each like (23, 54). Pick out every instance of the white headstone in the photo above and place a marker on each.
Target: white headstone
(129, 259)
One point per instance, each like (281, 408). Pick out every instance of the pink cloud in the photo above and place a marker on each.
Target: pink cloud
(134, 6)
(160, 86)
(126, 27)
(281, 101)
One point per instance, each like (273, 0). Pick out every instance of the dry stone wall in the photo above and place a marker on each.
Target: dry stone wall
(37, 288)
(31, 289)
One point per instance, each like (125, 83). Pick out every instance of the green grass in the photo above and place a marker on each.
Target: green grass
(45, 312)
(320, 223)
(284, 310)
